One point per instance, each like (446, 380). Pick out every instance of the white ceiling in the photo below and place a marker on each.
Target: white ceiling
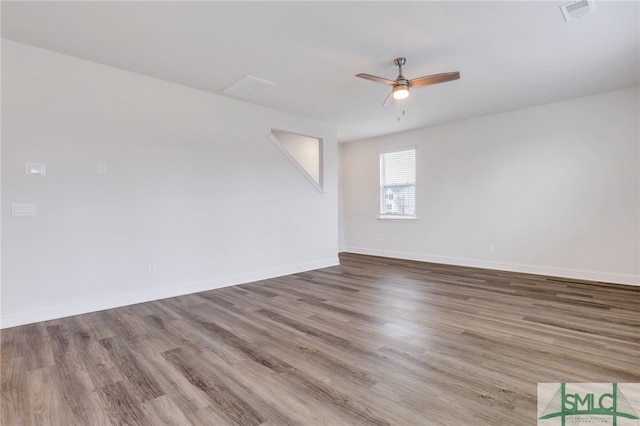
(510, 54)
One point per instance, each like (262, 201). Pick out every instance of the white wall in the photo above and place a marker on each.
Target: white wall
(194, 186)
(554, 189)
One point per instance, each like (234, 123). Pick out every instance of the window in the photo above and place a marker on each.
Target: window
(398, 183)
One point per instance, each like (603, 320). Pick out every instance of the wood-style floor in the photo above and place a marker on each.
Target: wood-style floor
(371, 342)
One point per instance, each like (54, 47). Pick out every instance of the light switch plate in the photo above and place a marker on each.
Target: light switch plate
(36, 169)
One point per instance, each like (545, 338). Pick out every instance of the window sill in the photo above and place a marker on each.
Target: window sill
(391, 217)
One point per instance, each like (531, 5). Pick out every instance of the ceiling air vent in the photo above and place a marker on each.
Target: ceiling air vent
(577, 9)
(247, 87)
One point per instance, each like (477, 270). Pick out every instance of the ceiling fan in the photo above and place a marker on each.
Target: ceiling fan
(401, 85)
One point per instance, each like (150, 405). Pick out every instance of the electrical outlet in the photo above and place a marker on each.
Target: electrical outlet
(152, 269)
(490, 248)
(468, 246)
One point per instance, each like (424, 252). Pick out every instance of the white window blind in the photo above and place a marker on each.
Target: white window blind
(398, 183)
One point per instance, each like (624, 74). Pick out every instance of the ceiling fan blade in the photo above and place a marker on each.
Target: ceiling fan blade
(434, 79)
(376, 79)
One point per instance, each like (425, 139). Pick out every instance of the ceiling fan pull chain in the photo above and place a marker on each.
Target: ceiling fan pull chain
(398, 103)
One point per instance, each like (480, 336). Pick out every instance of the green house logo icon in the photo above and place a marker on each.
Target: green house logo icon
(581, 406)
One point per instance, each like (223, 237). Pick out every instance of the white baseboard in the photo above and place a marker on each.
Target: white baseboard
(55, 312)
(608, 277)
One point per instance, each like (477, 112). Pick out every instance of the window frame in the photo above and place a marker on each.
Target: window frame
(384, 196)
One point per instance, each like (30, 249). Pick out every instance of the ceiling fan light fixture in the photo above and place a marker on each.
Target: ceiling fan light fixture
(400, 91)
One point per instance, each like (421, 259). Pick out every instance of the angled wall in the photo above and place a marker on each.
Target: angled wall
(304, 152)
(151, 189)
